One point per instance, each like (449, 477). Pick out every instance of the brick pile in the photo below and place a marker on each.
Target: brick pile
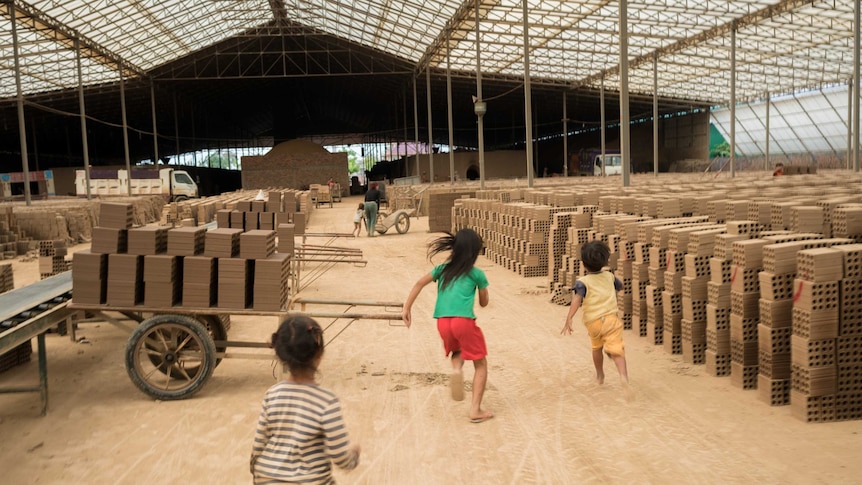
(52, 258)
(7, 281)
(819, 347)
(728, 281)
(157, 267)
(12, 240)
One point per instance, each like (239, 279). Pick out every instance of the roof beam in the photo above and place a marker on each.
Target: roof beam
(37, 21)
(719, 31)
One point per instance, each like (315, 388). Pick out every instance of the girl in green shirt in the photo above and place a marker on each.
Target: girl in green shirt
(458, 280)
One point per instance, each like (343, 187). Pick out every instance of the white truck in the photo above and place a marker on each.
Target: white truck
(173, 185)
(613, 165)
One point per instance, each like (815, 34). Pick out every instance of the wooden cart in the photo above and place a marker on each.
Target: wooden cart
(172, 352)
(400, 219)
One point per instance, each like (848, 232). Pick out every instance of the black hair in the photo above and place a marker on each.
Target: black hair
(595, 255)
(298, 342)
(465, 246)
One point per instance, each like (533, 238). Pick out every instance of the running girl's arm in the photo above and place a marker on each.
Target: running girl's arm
(417, 288)
(483, 297)
(576, 304)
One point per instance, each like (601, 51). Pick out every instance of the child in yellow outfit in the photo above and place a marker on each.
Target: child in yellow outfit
(596, 293)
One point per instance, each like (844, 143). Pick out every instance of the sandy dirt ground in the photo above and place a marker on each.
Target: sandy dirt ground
(553, 424)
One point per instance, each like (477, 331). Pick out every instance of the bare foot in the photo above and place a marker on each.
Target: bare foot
(628, 394)
(481, 417)
(600, 379)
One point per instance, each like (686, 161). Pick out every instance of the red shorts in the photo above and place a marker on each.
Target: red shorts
(462, 334)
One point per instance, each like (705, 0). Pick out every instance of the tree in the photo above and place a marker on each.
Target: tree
(720, 150)
(221, 159)
(354, 164)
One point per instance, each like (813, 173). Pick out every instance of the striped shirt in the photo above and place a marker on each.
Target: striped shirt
(300, 434)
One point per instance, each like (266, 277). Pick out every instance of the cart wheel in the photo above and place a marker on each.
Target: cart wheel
(170, 357)
(402, 223)
(216, 327)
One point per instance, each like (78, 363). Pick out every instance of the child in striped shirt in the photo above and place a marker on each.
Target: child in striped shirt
(300, 432)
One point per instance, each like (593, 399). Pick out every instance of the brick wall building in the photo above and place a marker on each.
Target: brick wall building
(295, 164)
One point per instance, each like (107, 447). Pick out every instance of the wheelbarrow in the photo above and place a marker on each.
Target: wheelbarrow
(400, 219)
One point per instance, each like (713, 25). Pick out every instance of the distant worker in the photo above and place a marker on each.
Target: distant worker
(300, 431)
(424, 178)
(458, 282)
(372, 202)
(779, 170)
(357, 219)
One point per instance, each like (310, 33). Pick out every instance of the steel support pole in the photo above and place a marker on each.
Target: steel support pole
(416, 124)
(406, 155)
(176, 126)
(481, 126)
(430, 126)
(849, 156)
(43, 371)
(125, 129)
(83, 116)
(155, 129)
(22, 125)
(768, 103)
(602, 120)
(857, 13)
(565, 138)
(625, 129)
(528, 101)
(655, 114)
(733, 99)
(449, 109)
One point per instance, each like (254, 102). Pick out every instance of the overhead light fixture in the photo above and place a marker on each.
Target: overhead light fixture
(479, 107)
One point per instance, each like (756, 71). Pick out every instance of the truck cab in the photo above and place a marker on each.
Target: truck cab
(182, 186)
(612, 163)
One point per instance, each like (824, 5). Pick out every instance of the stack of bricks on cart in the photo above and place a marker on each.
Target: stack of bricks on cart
(721, 261)
(222, 243)
(146, 240)
(163, 277)
(125, 279)
(187, 266)
(186, 241)
(89, 277)
(199, 281)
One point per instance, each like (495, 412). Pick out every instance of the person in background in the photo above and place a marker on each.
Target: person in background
(357, 219)
(300, 432)
(779, 170)
(372, 202)
(458, 282)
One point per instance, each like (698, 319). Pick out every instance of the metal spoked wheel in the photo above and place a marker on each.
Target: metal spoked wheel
(217, 326)
(402, 223)
(170, 357)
